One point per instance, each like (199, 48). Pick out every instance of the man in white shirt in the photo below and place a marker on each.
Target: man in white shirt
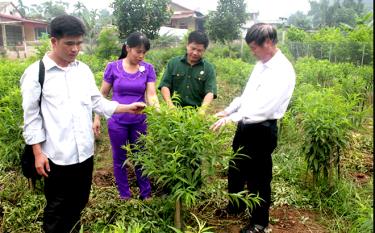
(60, 129)
(264, 100)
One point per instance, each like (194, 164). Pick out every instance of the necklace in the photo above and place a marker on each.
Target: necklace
(127, 75)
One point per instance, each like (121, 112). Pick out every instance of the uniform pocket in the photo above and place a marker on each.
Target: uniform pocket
(201, 76)
(177, 79)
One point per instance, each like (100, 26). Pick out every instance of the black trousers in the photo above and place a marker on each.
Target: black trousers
(253, 166)
(67, 190)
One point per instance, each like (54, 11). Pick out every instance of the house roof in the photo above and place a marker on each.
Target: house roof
(185, 11)
(10, 18)
(185, 8)
(3, 5)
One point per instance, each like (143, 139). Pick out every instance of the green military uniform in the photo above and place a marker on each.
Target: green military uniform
(191, 83)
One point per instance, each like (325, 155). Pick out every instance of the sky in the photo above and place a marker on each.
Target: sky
(268, 9)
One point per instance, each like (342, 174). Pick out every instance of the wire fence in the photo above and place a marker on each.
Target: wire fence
(357, 53)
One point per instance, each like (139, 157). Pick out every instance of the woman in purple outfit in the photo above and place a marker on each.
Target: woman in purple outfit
(131, 80)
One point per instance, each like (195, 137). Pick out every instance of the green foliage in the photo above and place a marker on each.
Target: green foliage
(106, 213)
(324, 119)
(224, 24)
(347, 206)
(177, 148)
(200, 229)
(231, 75)
(160, 57)
(96, 64)
(146, 16)
(21, 209)
(296, 34)
(351, 82)
(11, 140)
(325, 14)
(165, 41)
(133, 227)
(299, 20)
(339, 44)
(44, 47)
(94, 21)
(234, 71)
(108, 44)
(317, 72)
(48, 10)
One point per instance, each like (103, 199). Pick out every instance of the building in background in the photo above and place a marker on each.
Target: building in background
(185, 18)
(18, 32)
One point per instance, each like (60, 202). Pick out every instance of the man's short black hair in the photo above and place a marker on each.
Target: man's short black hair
(260, 32)
(199, 38)
(66, 25)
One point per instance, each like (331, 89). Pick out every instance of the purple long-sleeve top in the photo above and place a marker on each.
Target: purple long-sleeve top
(129, 88)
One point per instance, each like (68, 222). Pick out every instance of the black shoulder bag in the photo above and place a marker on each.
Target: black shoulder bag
(27, 157)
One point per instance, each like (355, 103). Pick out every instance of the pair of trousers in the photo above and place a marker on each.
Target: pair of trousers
(67, 190)
(252, 166)
(123, 134)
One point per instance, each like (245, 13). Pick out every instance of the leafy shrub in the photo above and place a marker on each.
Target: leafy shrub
(180, 152)
(324, 120)
(317, 72)
(44, 47)
(178, 140)
(234, 71)
(160, 57)
(11, 140)
(108, 44)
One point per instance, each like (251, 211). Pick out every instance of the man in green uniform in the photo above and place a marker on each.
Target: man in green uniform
(190, 76)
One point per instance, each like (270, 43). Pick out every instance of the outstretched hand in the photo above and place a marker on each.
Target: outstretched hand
(136, 107)
(220, 123)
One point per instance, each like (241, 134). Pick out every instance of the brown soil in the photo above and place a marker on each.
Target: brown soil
(288, 219)
(283, 220)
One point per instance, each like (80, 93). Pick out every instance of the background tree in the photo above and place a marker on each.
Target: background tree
(89, 18)
(296, 34)
(146, 16)
(332, 15)
(300, 20)
(108, 43)
(105, 18)
(94, 21)
(224, 24)
(48, 10)
(22, 8)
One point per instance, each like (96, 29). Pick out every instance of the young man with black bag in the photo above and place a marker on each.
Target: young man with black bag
(60, 129)
(27, 157)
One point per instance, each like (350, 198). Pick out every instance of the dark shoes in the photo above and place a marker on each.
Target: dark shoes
(255, 229)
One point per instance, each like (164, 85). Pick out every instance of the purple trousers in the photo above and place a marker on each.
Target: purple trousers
(123, 134)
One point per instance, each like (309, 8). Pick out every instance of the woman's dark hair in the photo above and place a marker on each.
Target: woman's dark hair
(199, 38)
(260, 32)
(66, 25)
(135, 39)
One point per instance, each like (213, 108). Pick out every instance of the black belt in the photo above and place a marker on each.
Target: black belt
(266, 123)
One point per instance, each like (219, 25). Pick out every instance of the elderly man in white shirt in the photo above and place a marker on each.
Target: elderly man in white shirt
(264, 101)
(60, 129)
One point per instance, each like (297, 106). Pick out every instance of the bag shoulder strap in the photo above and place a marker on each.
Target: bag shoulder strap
(41, 78)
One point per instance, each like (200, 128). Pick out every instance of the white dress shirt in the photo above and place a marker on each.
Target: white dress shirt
(267, 92)
(69, 95)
